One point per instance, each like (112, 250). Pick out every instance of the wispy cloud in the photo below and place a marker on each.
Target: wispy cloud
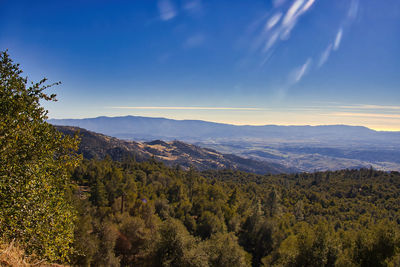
(367, 115)
(271, 41)
(194, 40)
(290, 19)
(167, 10)
(325, 55)
(278, 3)
(353, 9)
(193, 6)
(332, 46)
(297, 9)
(299, 73)
(273, 21)
(338, 39)
(308, 5)
(292, 14)
(281, 22)
(278, 24)
(351, 15)
(294, 77)
(373, 107)
(189, 108)
(294, 115)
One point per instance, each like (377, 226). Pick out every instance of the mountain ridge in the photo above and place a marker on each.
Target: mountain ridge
(138, 128)
(96, 145)
(53, 120)
(304, 148)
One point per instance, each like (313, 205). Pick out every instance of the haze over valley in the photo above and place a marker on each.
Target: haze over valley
(298, 148)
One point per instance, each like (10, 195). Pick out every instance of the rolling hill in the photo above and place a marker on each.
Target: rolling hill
(95, 145)
(303, 148)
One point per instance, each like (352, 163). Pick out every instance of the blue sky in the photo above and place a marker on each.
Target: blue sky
(242, 62)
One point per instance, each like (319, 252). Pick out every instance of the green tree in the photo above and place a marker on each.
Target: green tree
(377, 245)
(177, 247)
(133, 241)
(105, 255)
(210, 224)
(34, 164)
(224, 251)
(309, 246)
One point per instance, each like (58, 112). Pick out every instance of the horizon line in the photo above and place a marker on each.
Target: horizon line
(237, 124)
(188, 108)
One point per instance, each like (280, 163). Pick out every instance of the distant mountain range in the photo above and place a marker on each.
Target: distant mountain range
(303, 148)
(95, 145)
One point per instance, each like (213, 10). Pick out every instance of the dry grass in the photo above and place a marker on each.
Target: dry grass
(12, 256)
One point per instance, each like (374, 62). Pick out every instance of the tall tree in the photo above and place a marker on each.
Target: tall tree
(34, 163)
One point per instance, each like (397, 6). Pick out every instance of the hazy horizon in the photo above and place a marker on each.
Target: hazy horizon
(227, 123)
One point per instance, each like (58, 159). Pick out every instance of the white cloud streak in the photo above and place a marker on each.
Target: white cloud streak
(273, 21)
(368, 115)
(166, 9)
(308, 5)
(189, 108)
(338, 39)
(271, 41)
(291, 14)
(353, 10)
(325, 55)
(351, 15)
(280, 25)
(299, 73)
(373, 107)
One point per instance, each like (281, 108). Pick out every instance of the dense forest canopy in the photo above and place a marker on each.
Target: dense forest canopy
(232, 218)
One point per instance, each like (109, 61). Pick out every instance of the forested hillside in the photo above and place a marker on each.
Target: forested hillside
(147, 214)
(96, 145)
(302, 148)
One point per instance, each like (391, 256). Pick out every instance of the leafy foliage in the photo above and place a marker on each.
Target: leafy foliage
(34, 176)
